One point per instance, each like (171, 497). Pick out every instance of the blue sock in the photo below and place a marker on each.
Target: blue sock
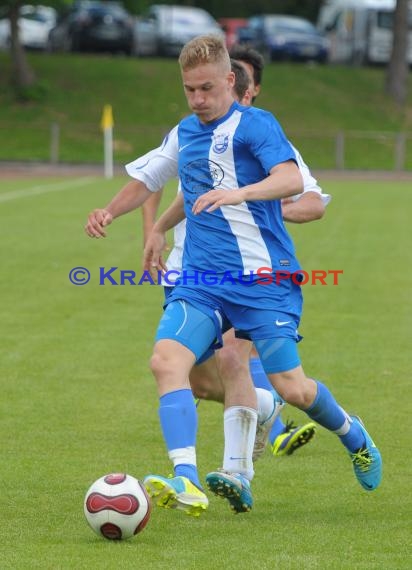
(326, 411)
(277, 428)
(188, 470)
(259, 377)
(178, 418)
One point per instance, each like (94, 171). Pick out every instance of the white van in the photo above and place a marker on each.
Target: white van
(164, 29)
(360, 31)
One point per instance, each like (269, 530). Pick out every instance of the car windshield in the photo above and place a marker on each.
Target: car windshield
(385, 20)
(36, 17)
(38, 14)
(280, 25)
(102, 7)
(192, 16)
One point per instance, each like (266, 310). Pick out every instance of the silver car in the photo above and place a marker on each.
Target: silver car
(164, 29)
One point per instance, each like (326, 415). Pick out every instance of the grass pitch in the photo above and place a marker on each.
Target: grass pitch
(78, 400)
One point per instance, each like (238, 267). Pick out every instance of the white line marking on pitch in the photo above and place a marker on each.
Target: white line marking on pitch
(44, 189)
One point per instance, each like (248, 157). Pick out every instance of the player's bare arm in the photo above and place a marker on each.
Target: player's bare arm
(174, 214)
(156, 241)
(283, 181)
(129, 198)
(307, 208)
(149, 213)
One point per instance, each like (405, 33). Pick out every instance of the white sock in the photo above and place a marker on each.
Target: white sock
(240, 430)
(185, 455)
(265, 404)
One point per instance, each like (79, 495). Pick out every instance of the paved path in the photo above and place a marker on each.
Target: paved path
(38, 170)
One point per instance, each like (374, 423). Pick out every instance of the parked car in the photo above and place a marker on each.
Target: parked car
(35, 23)
(280, 37)
(361, 31)
(91, 25)
(230, 26)
(164, 29)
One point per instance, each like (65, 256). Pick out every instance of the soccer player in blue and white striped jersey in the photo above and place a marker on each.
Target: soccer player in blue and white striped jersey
(235, 164)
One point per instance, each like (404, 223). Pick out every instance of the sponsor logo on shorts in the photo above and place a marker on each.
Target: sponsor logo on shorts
(281, 323)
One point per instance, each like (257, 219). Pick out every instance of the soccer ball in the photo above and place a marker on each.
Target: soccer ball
(117, 506)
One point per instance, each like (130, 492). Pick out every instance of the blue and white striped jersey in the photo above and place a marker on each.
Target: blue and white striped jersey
(236, 150)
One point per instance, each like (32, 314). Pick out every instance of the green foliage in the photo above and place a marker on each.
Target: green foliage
(5, 6)
(313, 103)
(78, 400)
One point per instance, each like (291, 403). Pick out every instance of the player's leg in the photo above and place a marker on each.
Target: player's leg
(184, 333)
(225, 377)
(245, 433)
(232, 481)
(205, 380)
(234, 367)
(282, 365)
(284, 438)
(239, 397)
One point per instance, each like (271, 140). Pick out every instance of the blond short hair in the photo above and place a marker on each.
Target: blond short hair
(204, 49)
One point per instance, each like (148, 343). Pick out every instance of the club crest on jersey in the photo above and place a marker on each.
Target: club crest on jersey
(220, 142)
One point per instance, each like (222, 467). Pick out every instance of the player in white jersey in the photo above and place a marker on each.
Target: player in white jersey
(235, 165)
(287, 437)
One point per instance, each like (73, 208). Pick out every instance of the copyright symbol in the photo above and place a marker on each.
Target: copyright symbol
(79, 275)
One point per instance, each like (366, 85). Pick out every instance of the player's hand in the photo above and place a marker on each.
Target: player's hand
(214, 199)
(152, 255)
(97, 220)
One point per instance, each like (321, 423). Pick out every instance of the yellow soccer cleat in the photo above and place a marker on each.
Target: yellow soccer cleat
(293, 438)
(176, 493)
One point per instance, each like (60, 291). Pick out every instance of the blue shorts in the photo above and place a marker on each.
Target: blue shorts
(257, 312)
(196, 345)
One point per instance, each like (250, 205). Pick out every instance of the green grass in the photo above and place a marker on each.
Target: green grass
(78, 400)
(313, 103)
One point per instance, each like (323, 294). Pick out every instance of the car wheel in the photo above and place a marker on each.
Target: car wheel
(49, 46)
(130, 49)
(137, 50)
(72, 43)
(358, 58)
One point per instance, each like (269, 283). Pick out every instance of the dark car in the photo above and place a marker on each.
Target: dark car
(93, 26)
(285, 38)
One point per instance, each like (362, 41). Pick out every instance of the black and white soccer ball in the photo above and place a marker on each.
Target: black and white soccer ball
(117, 506)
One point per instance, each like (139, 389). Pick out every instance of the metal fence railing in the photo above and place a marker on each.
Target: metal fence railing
(83, 143)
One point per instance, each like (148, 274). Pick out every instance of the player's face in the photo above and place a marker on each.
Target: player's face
(253, 88)
(208, 90)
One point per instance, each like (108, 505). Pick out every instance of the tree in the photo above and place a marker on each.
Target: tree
(22, 75)
(396, 84)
